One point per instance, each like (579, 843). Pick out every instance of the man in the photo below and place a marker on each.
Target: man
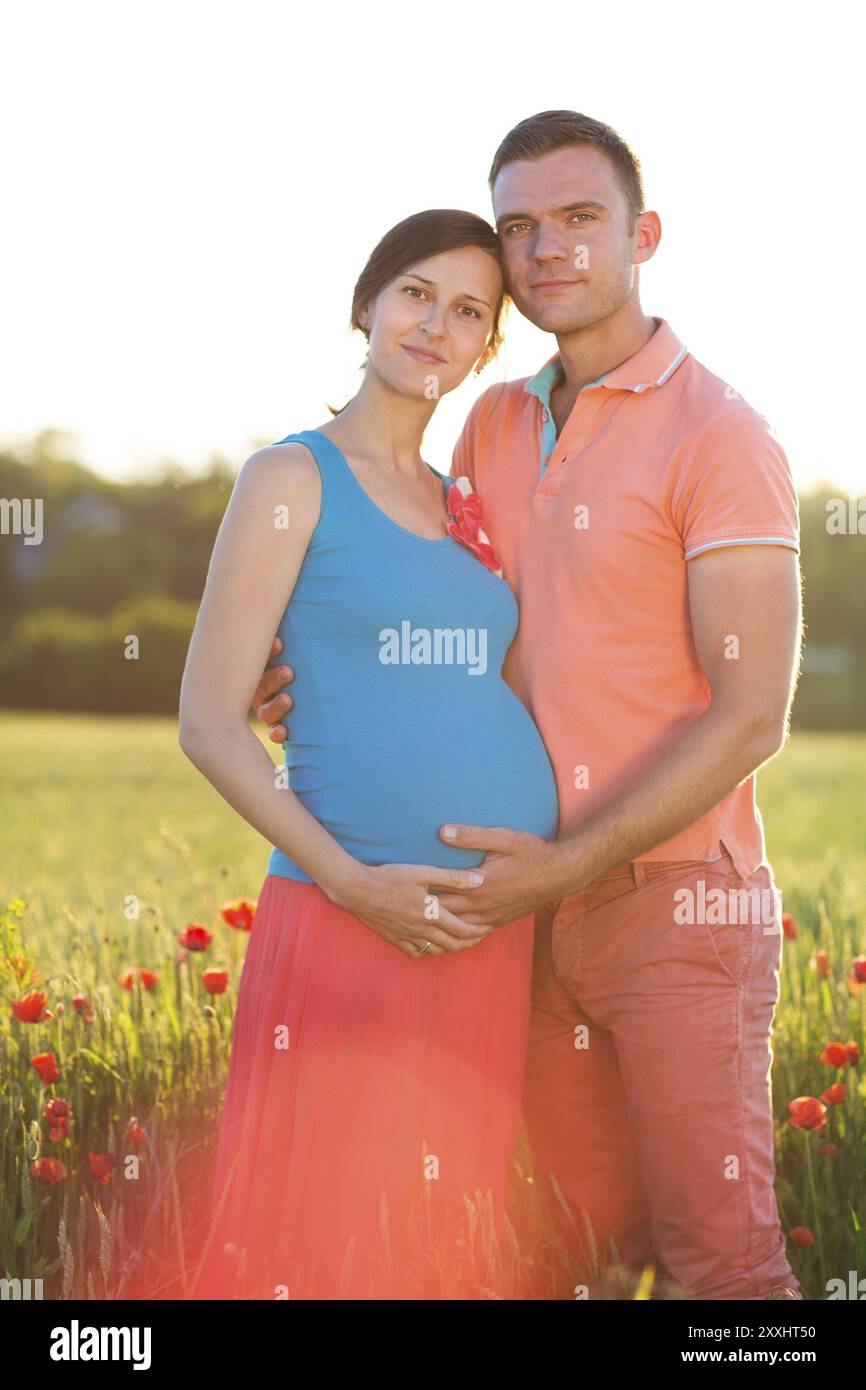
(645, 516)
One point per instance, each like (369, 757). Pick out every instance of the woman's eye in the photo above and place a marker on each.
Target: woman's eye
(415, 288)
(471, 309)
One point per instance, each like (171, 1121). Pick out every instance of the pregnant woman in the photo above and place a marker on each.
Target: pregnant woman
(379, 1040)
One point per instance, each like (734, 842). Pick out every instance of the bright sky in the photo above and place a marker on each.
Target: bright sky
(192, 189)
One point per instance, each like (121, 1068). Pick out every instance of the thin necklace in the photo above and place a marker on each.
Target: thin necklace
(389, 501)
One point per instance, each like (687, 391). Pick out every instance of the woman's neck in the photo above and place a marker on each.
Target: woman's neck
(384, 427)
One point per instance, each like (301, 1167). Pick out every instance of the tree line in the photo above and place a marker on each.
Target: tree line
(114, 560)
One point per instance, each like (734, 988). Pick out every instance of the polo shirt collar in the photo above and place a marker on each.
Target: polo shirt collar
(544, 381)
(652, 365)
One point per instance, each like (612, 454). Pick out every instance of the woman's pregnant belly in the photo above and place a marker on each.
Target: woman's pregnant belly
(384, 791)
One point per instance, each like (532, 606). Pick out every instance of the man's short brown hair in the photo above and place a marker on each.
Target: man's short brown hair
(556, 130)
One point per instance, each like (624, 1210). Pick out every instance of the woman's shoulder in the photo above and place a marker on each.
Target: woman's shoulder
(283, 474)
(284, 465)
(288, 457)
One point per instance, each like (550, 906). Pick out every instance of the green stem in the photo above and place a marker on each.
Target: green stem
(815, 1213)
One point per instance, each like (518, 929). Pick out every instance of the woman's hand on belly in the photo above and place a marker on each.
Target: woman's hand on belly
(399, 902)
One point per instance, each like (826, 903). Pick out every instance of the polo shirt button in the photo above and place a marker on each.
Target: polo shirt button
(544, 415)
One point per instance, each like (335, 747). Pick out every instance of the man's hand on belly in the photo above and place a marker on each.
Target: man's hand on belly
(520, 874)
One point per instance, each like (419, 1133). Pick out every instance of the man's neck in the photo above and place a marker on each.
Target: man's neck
(594, 351)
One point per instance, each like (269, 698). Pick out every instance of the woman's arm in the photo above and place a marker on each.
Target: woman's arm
(253, 569)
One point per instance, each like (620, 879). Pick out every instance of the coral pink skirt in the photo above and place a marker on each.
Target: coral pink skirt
(369, 1094)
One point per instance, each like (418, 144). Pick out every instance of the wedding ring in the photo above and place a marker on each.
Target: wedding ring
(425, 947)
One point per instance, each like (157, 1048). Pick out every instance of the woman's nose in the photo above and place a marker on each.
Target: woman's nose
(433, 322)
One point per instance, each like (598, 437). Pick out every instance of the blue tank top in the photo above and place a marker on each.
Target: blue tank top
(402, 719)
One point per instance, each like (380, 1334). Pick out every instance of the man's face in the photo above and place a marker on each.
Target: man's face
(563, 218)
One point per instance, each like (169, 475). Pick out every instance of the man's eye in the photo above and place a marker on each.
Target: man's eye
(584, 214)
(515, 226)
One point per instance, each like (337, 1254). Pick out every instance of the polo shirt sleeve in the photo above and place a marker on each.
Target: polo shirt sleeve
(736, 487)
(465, 455)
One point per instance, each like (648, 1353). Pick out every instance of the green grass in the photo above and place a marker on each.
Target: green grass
(115, 842)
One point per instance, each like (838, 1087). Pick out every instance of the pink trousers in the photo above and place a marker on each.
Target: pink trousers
(648, 1079)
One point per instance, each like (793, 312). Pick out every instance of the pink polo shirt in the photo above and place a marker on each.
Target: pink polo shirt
(658, 461)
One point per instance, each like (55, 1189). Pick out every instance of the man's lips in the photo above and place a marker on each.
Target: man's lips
(422, 354)
(553, 284)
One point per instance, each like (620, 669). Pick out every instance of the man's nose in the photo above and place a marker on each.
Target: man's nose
(549, 244)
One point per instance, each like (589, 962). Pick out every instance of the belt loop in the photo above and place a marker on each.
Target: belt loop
(638, 873)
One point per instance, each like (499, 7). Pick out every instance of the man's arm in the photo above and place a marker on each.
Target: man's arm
(745, 609)
(744, 603)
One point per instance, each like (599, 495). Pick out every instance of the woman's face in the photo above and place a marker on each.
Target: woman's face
(429, 326)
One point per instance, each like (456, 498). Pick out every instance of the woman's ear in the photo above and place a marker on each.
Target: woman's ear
(364, 321)
(484, 360)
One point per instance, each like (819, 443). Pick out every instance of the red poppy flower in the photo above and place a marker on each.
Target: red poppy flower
(101, 1166)
(828, 1150)
(239, 913)
(852, 1051)
(147, 977)
(81, 1006)
(834, 1095)
(857, 978)
(820, 964)
(59, 1129)
(47, 1170)
(215, 981)
(464, 506)
(834, 1055)
(57, 1111)
(195, 938)
(135, 1134)
(789, 925)
(807, 1112)
(46, 1065)
(30, 1008)
(801, 1235)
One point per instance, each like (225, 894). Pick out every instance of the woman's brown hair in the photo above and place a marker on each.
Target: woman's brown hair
(414, 239)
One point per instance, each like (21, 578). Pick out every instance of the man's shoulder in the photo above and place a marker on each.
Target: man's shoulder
(723, 435)
(499, 401)
(712, 400)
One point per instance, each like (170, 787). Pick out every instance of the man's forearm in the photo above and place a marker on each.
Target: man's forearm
(712, 756)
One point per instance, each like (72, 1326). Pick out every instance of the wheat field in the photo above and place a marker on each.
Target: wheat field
(113, 843)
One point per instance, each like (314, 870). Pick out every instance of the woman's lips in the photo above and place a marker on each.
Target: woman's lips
(421, 355)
